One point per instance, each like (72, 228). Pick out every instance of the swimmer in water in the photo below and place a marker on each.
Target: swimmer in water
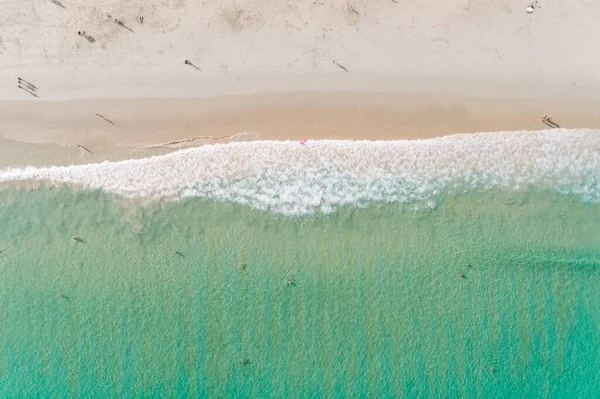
(290, 282)
(59, 296)
(462, 275)
(76, 238)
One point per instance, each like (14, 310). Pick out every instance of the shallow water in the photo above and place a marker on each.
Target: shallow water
(378, 308)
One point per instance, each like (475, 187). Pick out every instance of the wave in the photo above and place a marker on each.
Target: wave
(320, 176)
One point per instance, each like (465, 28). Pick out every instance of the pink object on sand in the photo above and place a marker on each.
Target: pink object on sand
(303, 141)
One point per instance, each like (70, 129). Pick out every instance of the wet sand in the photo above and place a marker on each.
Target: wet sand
(43, 133)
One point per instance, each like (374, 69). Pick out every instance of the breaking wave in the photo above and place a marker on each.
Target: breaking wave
(320, 176)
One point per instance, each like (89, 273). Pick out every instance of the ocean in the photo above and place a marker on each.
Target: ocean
(459, 267)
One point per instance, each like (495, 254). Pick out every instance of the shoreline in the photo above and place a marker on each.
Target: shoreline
(70, 132)
(294, 179)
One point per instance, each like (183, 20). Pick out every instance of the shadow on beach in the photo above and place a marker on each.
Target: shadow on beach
(58, 3)
(122, 25)
(28, 90)
(551, 124)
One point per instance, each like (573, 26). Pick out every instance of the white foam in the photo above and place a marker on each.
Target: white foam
(290, 178)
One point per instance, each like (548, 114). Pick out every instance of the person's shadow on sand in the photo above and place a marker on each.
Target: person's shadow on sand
(549, 122)
(58, 3)
(122, 25)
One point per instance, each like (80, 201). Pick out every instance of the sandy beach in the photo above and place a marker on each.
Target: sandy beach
(282, 70)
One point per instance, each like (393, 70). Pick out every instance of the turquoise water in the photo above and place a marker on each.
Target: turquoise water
(377, 310)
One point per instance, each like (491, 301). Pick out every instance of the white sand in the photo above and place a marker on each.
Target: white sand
(473, 47)
(441, 50)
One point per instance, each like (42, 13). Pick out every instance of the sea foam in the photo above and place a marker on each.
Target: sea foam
(320, 176)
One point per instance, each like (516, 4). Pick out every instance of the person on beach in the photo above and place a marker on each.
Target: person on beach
(22, 84)
(549, 122)
(23, 81)
(547, 119)
(186, 61)
(26, 88)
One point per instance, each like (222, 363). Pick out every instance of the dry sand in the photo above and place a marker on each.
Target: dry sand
(416, 68)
